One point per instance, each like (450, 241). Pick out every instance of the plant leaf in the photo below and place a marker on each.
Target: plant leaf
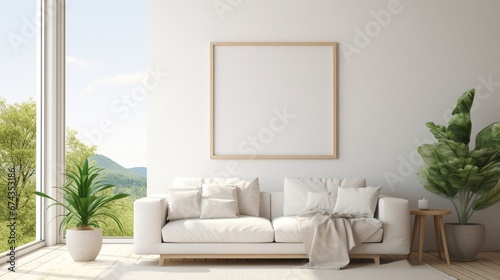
(488, 199)
(442, 151)
(489, 137)
(460, 125)
(464, 102)
(435, 182)
(467, 177)
(439, 131)
(459, 128)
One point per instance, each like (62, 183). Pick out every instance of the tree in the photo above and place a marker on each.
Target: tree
(17, 168)
(76, 150)
(18, 149)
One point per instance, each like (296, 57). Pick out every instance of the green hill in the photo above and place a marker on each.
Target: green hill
(125, 180)
(106, 163)
(140, 170)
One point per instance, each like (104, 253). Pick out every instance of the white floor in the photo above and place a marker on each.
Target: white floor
(55, 263)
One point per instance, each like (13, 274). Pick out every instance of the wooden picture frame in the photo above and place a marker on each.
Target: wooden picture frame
(273, 100)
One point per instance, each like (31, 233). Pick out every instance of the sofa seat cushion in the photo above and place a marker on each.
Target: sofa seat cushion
(243, 229)
(286, 229)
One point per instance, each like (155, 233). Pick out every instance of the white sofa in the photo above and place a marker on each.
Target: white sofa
(271, 235)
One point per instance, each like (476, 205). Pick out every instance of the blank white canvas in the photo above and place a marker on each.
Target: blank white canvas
(274, 100)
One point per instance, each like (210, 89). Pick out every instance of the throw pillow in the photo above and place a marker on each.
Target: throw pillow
(321, 201)
(219, 201)
(227, 192)
(296, 189)
(183, 203)
(248, 193)
(357, 201)
(218, 208)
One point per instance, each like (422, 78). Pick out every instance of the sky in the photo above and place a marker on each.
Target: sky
(17, 50)
(106, 63)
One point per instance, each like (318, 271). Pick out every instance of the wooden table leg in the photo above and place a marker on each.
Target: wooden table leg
(414, 234)
(421, 239)
(436, 232)
(443, 235)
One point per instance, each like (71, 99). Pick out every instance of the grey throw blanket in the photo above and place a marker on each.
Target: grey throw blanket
(328, 238)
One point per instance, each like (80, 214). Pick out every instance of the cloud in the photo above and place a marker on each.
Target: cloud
(88, 89)
(78, 62)
(123, 79)
(120, 80)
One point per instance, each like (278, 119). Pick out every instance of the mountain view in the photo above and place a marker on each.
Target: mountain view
(127, 180)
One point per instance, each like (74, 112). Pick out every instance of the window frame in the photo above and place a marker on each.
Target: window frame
(48, 14)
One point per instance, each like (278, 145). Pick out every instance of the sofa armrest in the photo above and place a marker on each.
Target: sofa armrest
(394, 213)
(150, 215)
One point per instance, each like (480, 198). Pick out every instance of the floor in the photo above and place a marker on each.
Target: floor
(54, 263)
(486, 265)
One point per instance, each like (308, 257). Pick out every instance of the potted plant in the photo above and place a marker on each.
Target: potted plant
(469, 178)
(86, 204)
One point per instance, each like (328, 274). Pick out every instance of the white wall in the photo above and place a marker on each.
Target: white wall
(401, 64)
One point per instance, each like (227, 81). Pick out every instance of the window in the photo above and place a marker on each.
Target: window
(19, 124)
(106, 61)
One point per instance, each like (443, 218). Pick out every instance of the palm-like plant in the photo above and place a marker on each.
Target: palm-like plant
(469, 178)
(84, 198)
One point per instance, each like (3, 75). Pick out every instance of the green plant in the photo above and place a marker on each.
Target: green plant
(85, 199)
(468, 178)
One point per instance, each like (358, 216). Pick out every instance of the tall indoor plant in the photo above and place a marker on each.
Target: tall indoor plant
(469, 178)
(86, 203)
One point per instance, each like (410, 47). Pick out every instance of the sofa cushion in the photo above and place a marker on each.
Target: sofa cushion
(248, 191)
(243, 229)
(286, 229)
(296, 189)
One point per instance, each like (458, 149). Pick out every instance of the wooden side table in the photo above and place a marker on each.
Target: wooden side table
(419, 223)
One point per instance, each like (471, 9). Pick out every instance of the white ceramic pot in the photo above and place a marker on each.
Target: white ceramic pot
(84, 244)
(465, 241)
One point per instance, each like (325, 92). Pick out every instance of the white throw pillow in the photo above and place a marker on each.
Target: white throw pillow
(218, 208)
(227, 192)
(296, 189)
(357, 201)
(248, 191)
(321, 201)
(219, 201)
(183, 203)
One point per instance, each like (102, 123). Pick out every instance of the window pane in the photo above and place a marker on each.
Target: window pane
(18, 123)
(106, 61)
